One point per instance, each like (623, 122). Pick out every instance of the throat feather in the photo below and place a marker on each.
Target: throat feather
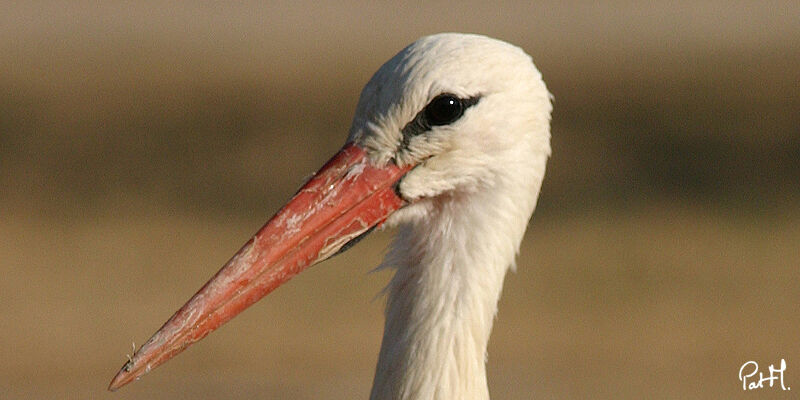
(441, 305)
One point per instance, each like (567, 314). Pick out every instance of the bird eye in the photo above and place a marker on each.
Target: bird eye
(443, 109)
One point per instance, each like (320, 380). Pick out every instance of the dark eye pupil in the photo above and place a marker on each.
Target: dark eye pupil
(443, 110)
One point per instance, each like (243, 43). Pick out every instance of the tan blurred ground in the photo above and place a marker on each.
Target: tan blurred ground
(142, 143)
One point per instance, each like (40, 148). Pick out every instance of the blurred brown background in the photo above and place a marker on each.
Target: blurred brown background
(141, 143)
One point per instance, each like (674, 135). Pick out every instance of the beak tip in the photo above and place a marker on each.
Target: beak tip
(115, 383)
(122, 378)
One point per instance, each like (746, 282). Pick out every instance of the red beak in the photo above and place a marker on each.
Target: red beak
(343, 200)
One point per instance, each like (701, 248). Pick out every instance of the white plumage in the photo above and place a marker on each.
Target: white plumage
(448, 144)
(472, 194)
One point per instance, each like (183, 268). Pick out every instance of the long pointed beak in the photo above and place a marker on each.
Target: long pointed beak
(346, 198)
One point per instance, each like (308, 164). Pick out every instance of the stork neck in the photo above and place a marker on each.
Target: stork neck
(443, 298)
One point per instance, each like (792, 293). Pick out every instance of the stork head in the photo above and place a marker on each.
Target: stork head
(449, 115)
(464, 111)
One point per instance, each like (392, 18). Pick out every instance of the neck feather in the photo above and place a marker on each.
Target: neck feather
(442, 300)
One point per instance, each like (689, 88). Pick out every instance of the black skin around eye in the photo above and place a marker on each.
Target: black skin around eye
(444, 109)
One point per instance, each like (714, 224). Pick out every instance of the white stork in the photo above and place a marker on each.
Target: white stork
(448, 144)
